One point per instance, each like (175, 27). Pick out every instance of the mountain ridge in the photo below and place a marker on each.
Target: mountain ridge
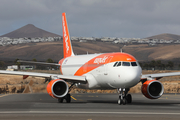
(32, 31)
(44, 50)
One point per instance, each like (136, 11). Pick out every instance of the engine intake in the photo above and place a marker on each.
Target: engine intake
(57, 88)
(152, 89)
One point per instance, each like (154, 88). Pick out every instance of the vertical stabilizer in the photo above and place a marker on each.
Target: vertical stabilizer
(67, 47)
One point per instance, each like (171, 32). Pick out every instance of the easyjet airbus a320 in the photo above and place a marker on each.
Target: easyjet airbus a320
(118, 70)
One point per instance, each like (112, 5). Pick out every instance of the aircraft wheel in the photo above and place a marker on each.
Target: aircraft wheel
(124, 100)
(119, 101)
(129, 98)
(60, 100)
(68, 98)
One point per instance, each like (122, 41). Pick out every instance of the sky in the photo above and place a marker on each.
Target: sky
(94, 18)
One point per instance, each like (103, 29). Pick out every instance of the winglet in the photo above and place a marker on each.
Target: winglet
(67, 47)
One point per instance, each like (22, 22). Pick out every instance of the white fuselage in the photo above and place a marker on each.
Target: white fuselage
(103, 75)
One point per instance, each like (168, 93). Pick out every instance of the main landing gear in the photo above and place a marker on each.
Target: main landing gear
(124, 98)
(67, 97)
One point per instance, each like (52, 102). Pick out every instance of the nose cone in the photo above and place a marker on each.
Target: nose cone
(133, 76)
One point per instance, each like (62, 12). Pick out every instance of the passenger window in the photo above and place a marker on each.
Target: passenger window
(133, 64)
(119, 64)
(115, 64)
(125, 64)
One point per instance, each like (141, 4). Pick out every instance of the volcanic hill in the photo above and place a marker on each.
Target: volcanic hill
(29, 31)
(165, 36)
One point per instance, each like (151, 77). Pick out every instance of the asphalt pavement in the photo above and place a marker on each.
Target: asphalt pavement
(88, 107)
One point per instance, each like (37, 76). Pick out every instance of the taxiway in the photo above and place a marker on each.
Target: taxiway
(88, 107)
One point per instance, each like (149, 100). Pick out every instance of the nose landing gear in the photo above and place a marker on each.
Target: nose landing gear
(124, 98)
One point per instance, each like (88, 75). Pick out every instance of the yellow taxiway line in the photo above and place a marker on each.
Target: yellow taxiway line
(73, 98)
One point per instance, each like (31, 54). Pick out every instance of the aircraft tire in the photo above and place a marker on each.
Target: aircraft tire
(60, 100)
(68, 98)
(129, 98)
(124, 101)
(119, 101)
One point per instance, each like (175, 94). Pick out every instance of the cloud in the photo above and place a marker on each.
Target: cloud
(112, 18)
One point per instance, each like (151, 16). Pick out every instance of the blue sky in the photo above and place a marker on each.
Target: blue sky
(94, 18)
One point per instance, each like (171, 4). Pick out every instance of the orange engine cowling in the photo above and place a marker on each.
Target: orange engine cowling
(152, 89)
(57, 88)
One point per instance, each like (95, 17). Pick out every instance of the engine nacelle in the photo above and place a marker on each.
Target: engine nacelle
(57, 88)
(152, 89)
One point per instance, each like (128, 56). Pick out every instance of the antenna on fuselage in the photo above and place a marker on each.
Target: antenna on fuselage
(121, 48)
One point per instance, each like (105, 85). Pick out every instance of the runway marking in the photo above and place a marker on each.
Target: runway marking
(166, 98)
(83, 112)
(73, 98)
(92, 96)
(5, 95)
(173, 95)
(78, 95)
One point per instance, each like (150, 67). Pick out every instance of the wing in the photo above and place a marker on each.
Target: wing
(43, 63)
(159, 75)
(68, 78)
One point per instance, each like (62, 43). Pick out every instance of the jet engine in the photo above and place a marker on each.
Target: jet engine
(57, 88)
(152, 89)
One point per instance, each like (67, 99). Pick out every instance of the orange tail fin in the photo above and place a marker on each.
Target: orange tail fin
(67, 47)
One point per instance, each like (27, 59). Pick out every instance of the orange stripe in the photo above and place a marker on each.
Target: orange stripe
(103, 59)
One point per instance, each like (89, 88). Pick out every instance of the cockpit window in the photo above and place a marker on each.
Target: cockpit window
(125, 63)
(115, 64)
(119, 64)
(133, 64)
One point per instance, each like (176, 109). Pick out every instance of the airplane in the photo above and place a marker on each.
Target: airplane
(103, 71)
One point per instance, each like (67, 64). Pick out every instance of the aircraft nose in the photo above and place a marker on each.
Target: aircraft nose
(133, 76)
